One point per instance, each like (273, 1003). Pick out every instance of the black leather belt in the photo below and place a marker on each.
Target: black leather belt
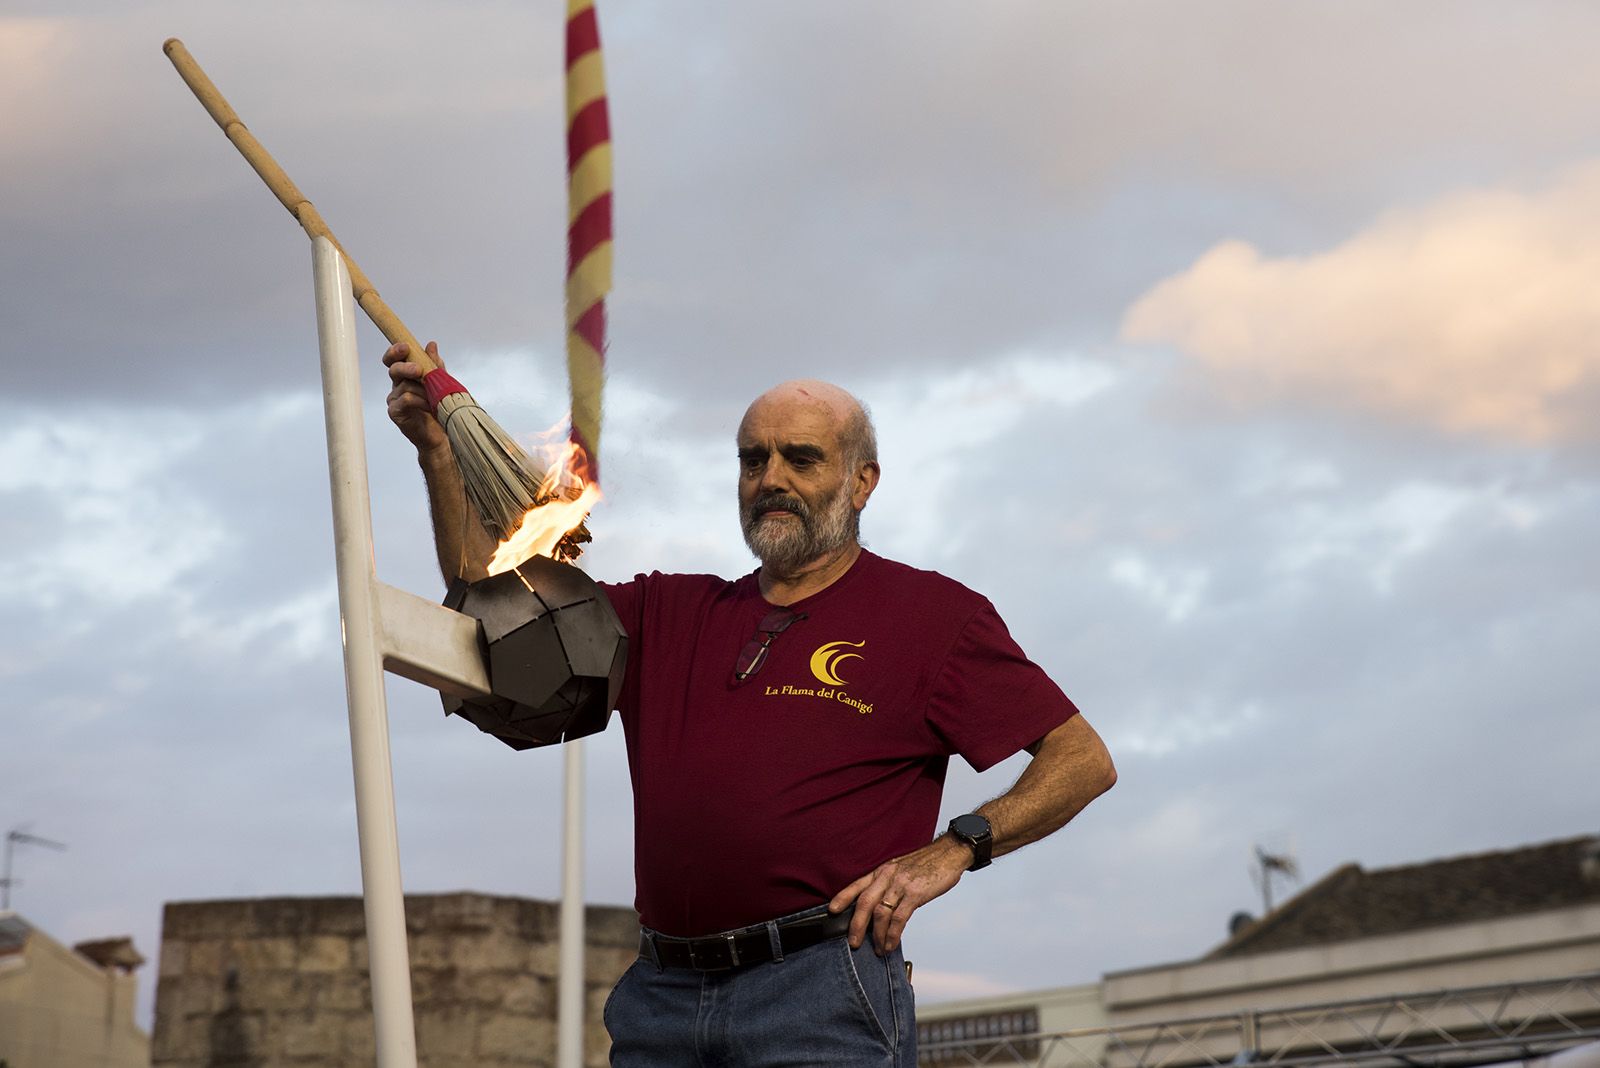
(747, 945)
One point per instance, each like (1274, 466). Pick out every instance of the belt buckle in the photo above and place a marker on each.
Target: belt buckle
(703, 955)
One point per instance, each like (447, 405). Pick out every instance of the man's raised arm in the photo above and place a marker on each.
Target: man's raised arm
(462, 545)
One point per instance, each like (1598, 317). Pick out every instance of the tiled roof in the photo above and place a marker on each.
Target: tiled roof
(1351, 902)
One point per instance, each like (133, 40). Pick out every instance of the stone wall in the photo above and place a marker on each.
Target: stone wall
(283, 981)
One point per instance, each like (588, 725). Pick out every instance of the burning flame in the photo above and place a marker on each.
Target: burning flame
(565, 497)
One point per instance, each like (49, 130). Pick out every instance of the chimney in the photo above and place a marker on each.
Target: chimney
(1589, 860)
(115, 953)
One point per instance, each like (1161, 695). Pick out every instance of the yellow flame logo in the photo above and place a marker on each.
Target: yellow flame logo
(825, 661)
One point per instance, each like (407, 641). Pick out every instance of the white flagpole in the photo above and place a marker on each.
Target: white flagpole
(569, 1004)
(386, 628)
(363, 663)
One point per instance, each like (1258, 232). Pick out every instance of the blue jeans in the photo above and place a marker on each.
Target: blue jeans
(824, 1005)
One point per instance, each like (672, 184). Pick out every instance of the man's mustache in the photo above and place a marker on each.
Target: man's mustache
(779, 502)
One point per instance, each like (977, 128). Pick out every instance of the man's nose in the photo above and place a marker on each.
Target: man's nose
(774, 476)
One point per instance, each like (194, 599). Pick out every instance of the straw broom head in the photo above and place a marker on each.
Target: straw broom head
(501, 483)
(500, 479)
(495, 470)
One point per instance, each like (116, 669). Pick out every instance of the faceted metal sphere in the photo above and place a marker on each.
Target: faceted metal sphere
(556, 653)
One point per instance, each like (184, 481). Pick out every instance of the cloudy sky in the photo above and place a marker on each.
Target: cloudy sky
(1243, 353)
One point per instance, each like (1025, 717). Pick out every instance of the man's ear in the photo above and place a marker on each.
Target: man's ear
(866, 481)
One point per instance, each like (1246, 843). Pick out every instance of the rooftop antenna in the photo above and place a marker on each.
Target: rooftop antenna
(1269, 865)
(14, 837)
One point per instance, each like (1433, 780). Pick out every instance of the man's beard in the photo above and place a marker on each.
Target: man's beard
(783, 545)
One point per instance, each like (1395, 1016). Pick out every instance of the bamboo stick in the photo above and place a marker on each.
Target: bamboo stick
(289, 195)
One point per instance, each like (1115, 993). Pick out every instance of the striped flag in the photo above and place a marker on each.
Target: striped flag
(588, 227)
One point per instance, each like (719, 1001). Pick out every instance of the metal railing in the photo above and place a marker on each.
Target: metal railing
(1452, 1028)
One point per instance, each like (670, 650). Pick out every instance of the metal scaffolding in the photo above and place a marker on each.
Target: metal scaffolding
(1453, 1028)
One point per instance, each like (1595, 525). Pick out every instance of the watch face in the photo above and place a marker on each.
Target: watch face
(970, 826)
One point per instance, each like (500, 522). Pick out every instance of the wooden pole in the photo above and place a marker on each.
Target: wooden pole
(289, 195)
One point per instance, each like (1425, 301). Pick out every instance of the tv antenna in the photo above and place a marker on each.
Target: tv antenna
(15, 837)
(1269, 866)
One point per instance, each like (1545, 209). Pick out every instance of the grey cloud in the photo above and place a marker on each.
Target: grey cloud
(794, 185)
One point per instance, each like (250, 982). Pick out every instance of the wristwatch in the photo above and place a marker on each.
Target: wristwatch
(975, 831)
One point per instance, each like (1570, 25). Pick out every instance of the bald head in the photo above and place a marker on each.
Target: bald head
(812, 399)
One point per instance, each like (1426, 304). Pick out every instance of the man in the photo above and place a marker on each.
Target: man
(787, 737)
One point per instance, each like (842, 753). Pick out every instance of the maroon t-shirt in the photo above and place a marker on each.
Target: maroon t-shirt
(756, 799)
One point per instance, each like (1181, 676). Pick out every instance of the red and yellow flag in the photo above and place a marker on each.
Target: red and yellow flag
(588, 227)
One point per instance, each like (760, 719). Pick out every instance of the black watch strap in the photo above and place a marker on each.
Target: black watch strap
(975, 831)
